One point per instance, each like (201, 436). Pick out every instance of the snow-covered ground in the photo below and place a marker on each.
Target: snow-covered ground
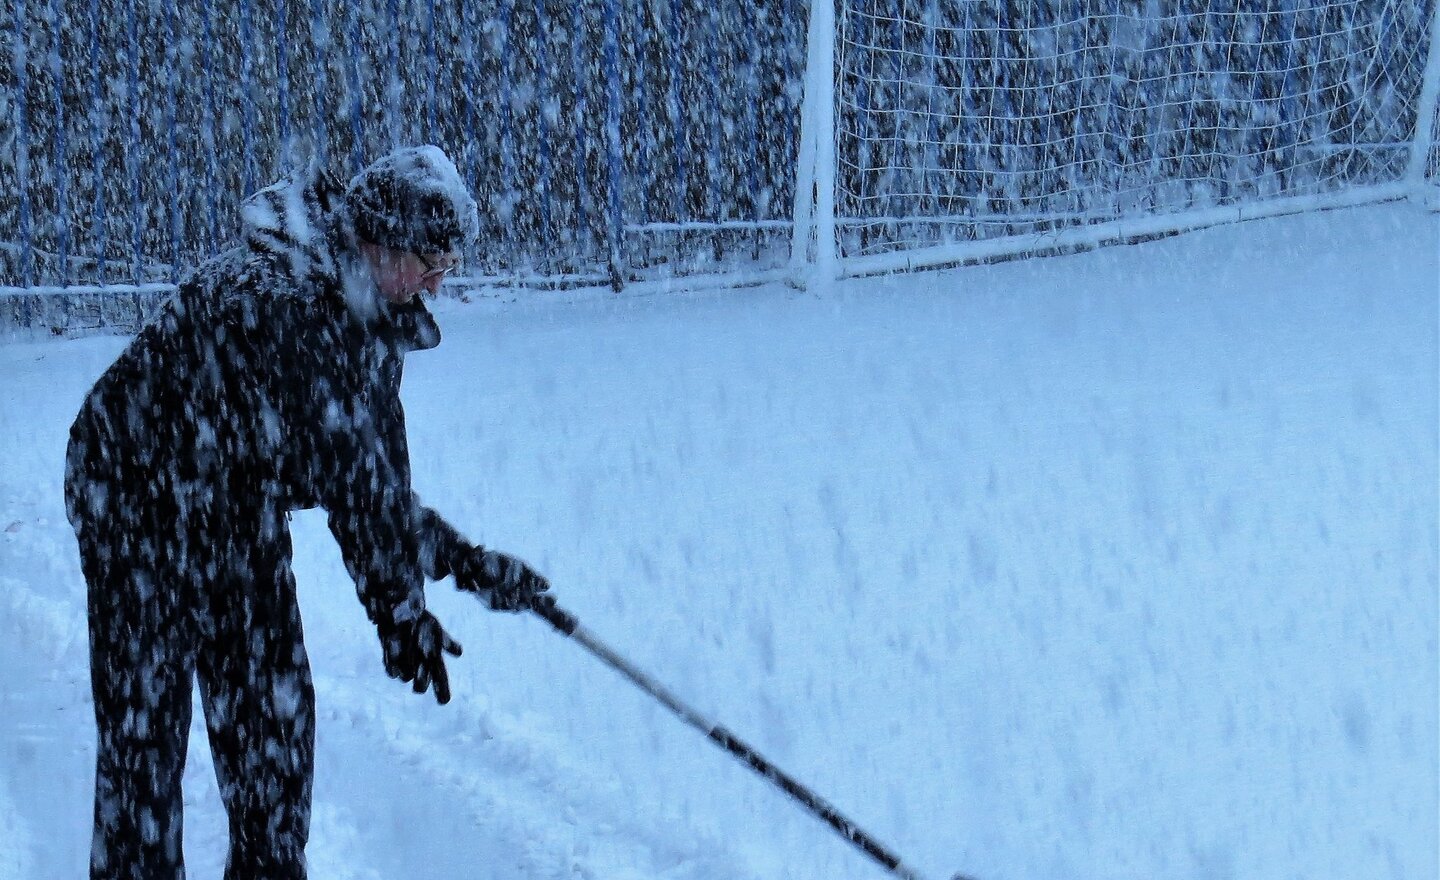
(1118, 565)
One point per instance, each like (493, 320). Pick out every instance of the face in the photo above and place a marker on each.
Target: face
(399, 275)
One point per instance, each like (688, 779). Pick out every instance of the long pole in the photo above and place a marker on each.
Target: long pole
(568, 625)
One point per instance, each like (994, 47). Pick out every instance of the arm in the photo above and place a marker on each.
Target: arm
(329, 430)
(389, 540)
(376, 521)
(341, 443)
(508, 583)
(443, 550)
(369, 500)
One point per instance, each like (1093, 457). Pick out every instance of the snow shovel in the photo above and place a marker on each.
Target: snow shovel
(568, 625)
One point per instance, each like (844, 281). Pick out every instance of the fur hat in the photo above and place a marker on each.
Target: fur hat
(413, 200)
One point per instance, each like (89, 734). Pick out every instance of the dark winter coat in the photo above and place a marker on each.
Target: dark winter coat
(269, 383)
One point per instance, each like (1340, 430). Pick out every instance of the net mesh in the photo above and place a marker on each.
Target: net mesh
(969, 121)
(1432, 160)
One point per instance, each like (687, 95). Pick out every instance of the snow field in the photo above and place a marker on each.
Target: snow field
(1114, 565)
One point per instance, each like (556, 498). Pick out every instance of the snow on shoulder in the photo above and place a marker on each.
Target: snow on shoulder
(291, 222)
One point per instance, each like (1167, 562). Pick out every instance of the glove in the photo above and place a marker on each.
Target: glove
(509, 583)
(415, 652)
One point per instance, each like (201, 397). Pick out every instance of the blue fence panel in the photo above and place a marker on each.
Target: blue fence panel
(132, 153)
(469, 52)
(282, 74)
(750, 90)
(544, 81)
(432, 66)
(357, 106)
(581, 109)
(681, 208)
(712, 97)
(209, 144)
(99, 123)
(638, 99)
(22, 146)
(320, 116)
(59, 168)
(172, 50)
(507, 139)
(616, 230)
(561, 143)
(247, 101)
(562, 149)
(395, 86)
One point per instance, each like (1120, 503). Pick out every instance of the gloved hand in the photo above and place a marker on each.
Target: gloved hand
(415, 652)
(509, 583)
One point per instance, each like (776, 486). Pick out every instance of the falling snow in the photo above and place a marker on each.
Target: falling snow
(1090, 564)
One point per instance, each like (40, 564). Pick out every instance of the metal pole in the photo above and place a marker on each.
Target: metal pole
(510, 200)
(578, 121)
(282, 82)
(320, 111)
(397, 121)
(469, 57)
(247, 106)
(678, 128)
(173, 185)
(752, 98)
(98, 122)
(714, 45)
(357, 104)
(615, 223)
(814, 212)
(567, 624)
(22, 146)
(132, 155)
(432, 59)
(543, 77)
(1425, 112)
(61, 169)
(209, 138)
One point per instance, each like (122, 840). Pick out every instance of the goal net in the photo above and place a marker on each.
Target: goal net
(976, 129)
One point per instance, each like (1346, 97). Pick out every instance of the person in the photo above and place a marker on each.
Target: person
(268, 383)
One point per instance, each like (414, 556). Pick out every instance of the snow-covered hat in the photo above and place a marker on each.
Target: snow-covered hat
(413, 200)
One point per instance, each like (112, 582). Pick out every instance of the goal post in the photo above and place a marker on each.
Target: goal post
(1423, 149)
(982, 129)
(812, 242)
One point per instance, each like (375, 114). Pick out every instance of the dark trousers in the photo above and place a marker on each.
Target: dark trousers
(171, 596)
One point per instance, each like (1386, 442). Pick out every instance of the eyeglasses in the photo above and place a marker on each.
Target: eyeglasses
(433, 271)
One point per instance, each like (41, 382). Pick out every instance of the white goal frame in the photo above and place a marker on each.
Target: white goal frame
(816, 246)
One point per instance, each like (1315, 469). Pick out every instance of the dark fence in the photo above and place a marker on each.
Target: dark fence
(615, 140)
(604, 139)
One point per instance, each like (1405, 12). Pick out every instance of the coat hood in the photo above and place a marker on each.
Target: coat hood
(300, 243)
(296, 225)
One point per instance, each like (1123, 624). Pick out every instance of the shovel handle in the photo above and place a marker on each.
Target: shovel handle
(567, 624)
(554, 615)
